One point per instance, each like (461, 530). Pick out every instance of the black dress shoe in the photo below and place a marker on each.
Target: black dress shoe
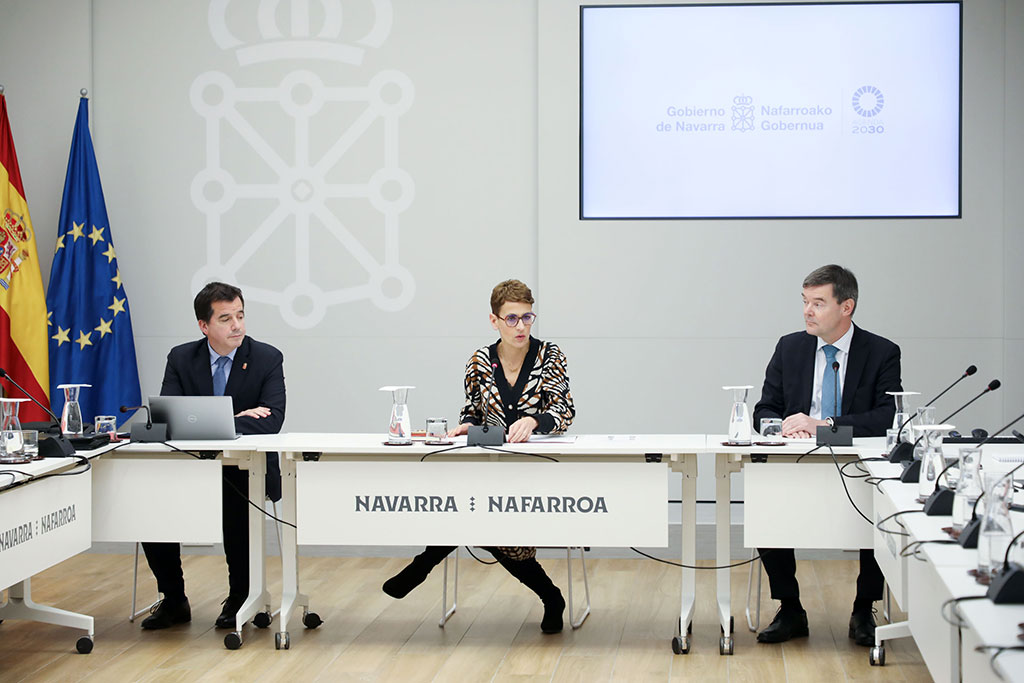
(166, 614)
(862, 627)
(227, 615)
(787, 624)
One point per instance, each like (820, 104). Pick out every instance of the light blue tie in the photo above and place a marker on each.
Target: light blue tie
(828, 385)
(220, 376)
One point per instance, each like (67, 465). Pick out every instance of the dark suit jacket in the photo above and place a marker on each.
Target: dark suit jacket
(874, 368)
(257, 379)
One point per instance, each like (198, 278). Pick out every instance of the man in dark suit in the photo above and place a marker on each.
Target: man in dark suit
(224, 363)
(833, 359)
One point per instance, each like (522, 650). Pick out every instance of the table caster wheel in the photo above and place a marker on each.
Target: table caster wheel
(282, 641)
(681, 645)
(311, 620)
(725, 645)
(84, 645)
(233, 640)
(262, 619)
(876, 655)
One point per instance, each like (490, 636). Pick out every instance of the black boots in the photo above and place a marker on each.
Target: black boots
(415, 573)
(531, 574)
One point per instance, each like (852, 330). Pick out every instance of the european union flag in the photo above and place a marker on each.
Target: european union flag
(89, 320)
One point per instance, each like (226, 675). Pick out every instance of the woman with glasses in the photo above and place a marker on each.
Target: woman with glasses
(519, 384)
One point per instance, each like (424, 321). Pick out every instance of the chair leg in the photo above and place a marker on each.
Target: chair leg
(447, 612)
(755, 565)
(573, 619)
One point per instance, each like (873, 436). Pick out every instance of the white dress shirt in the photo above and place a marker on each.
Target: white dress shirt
(842, 355)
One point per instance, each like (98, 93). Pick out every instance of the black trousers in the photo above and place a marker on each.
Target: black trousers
(165, 558)
(780, 565)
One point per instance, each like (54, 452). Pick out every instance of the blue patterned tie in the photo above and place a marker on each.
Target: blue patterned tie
(220, 376)
(828, 385)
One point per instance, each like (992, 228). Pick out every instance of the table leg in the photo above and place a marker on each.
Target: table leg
(723, 529)
(688, 526)
(19, 605)
(290, 595)
(258, 601)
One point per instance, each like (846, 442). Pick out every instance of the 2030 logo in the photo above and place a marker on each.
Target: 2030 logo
(868, 102)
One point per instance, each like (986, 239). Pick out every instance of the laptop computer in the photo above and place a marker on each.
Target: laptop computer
(195, 417)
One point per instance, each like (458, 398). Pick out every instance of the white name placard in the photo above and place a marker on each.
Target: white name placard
(43, 523)
(482, 503)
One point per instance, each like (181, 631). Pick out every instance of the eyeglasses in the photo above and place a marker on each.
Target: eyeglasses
(512, 319)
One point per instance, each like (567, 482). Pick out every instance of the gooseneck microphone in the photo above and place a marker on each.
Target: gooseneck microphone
(992, 386)
(904, 450)
(149, 432)
(967, 373)
(56, 446)
(149, 416)
(1007, 587)
(483, 435)
(912, 473)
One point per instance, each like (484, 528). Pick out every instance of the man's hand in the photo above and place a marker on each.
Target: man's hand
(800, 426)
(255, 412)
(521, 429)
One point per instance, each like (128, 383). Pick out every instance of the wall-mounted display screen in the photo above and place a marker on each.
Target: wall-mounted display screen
(845, 110)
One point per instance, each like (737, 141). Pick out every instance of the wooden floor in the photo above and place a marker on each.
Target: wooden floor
(494, 636)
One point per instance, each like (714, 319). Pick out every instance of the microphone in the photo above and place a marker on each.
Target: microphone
(1007, 587)
(992, 386)
(905, 451)
(969, 536)
(483, 435)
(912, 472)
(149, 432)
(967, 373)
(835, 435)
(149, 416)
(55, 446)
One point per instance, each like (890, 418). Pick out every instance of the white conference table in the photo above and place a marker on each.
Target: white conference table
(44, 522)
(151, 492)
(925, 571)
(820, 517)
(677, 451)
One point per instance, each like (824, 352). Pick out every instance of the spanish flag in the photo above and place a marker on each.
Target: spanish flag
(23, 346)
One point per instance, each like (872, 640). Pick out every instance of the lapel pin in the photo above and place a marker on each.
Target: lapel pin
(245, 365)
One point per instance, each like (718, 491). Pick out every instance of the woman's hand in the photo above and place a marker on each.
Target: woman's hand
(521, 429)
(460, 430)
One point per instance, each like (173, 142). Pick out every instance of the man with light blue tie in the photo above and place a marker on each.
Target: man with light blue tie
(225, 362)
(832, 373)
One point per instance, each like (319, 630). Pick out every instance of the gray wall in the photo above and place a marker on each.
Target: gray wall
(654, 316)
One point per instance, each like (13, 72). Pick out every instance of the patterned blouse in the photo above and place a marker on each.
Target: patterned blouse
(541, 391)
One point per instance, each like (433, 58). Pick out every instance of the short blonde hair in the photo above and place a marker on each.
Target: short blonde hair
(509, 290)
